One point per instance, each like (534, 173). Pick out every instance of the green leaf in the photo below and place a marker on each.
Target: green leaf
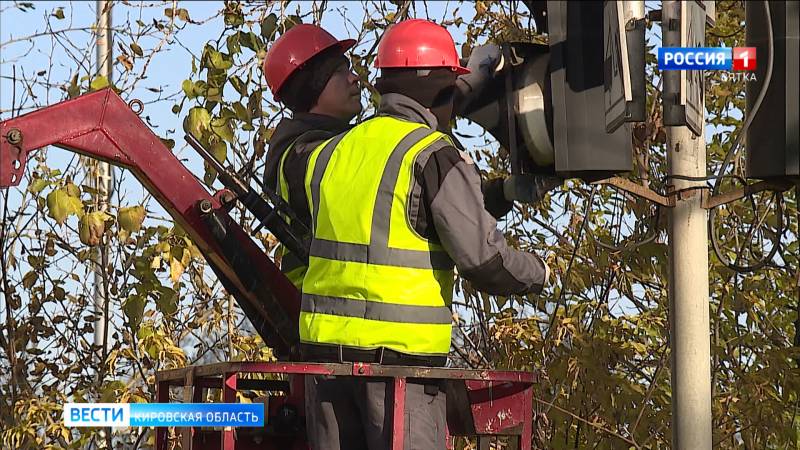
(134, 309)
(233, 15)
(73, 89)
(38, 185)
(72, 190)
(61, 205)
(220, 151)
(29, 279)
(222, 128)
(167, 301)
(136, 49)
(131, 218)
(232, 43)
(251, 41)
(291, 21)
(98, 83)
(241, 112)
(188, 88)
(269, 25)
(197, 122)
(239, 85)
(219, 60)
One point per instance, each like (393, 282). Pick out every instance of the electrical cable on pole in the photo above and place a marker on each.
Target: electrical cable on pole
(729, 157)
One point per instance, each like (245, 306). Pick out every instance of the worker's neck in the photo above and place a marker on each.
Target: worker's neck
(324, 112)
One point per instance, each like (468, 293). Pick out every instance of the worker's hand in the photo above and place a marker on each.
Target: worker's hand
(529, 188)
(546, 273)
(483, 64)
(485, 59)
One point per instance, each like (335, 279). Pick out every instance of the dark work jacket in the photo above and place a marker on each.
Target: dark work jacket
(447, 206)
(306, 130)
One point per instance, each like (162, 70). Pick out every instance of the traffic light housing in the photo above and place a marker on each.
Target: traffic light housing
(552, 102)
(773, 147)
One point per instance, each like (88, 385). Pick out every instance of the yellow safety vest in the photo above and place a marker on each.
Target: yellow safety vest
(372, 280)
(291, 265)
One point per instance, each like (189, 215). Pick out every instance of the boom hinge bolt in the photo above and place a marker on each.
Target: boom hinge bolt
(14, 136)
(205, 206)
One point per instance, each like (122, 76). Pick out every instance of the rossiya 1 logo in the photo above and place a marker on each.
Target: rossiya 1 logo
(740, 62)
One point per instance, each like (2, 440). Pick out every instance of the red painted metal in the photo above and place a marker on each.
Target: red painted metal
(501, 403)
(495, 406)
(229, 396)
(399, 413)
(102, 126)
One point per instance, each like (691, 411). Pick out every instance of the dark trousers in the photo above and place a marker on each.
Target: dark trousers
(355, 413)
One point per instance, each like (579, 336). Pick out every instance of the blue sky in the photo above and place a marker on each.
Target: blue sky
(166, 71)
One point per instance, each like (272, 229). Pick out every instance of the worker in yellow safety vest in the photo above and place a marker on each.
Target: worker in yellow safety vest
(394, 207)
(307, 70)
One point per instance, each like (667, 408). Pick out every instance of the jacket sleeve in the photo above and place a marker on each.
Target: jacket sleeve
(493, 198)
(470, 236)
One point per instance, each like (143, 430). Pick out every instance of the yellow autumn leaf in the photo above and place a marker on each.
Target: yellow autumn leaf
(186, 257)
(175, 270)
(61, 205)
(131, 218)
(198, 121)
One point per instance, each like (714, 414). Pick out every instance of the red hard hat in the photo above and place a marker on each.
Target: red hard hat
(293, 49)
(418, 43)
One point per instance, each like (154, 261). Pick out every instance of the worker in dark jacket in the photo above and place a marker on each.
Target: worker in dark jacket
(307, 71)
(395, 207)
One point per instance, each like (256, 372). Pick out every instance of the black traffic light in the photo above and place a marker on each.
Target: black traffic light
(569, 100)
(773, 148)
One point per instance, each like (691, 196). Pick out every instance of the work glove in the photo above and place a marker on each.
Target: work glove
(483, 64)
(546, 272)
(494, 201)
(529, 188)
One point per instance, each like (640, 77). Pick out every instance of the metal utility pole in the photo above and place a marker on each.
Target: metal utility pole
(688, 297)
(101, 177)
(688, 281)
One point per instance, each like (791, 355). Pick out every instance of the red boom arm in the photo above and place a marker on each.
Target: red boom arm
(100, 125)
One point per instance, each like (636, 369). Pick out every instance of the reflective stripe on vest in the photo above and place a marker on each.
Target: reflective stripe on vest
(372, 280)
(291, 265)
